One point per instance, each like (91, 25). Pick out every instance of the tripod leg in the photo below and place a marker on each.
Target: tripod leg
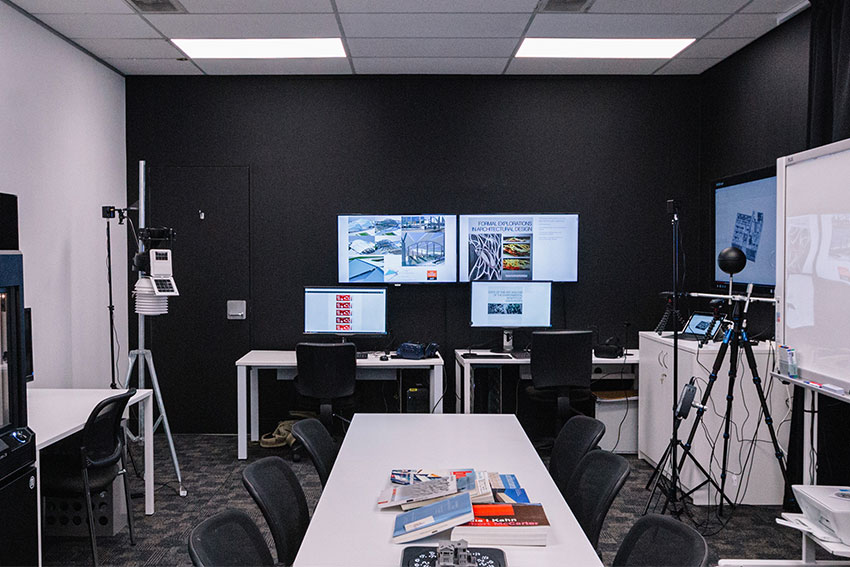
(155, 383)
(768, 420)
(730, 396)
(657, 470)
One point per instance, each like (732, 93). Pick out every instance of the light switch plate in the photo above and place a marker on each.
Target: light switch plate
(236, 309)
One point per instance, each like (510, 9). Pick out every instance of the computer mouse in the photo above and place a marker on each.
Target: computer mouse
(384, 357)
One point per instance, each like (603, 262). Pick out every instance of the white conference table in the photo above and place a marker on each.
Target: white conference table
(285, 362)
(464, 368)
(55, 413)
(348, 529)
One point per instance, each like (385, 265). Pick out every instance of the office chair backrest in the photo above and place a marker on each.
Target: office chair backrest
(561, 359)
(229, 538)
(577, 437)
(595, 483)
(319, 444)
(326, 370)
(102, 436)
(662, 541)
(276, 490)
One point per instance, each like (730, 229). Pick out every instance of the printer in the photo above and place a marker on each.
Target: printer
(827, 508)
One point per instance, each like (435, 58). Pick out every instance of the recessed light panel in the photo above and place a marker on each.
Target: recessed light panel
(292, 48)
(588, 48)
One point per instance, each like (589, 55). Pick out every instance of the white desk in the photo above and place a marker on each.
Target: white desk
(54, 414)
(464, 368)
(371, 368)
(347, 528)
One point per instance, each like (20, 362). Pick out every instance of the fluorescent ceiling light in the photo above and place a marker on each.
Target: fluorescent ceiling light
(293, 48)
(586, 48)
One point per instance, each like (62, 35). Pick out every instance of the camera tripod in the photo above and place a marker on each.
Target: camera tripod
(737, 338)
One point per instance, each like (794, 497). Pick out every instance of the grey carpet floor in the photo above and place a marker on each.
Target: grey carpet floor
(212, 476)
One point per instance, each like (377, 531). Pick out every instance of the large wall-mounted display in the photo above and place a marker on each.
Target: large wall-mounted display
(397, 248)
(745, 217)
(519, 247)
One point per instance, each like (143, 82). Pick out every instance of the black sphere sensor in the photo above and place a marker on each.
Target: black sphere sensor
(731, 260)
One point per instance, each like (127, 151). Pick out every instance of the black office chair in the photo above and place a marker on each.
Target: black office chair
(595, 483)
(230, 538)
(561, 368)
(577, 437)
(88, 462)
(319, 445)
(276, 490)
(326, 371)
(662, 541)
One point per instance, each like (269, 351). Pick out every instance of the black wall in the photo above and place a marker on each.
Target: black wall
(611, 149)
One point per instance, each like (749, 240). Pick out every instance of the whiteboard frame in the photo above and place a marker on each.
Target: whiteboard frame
(781, 165)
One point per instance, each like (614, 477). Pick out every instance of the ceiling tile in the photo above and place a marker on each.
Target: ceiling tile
(434, 25)
(449, 47)
(74, 6)
(154, 67)
(547, 66)
(131, 48)
(425, 6)
(771, 6)
(687, 66)
(713, 48)
(745, 25)
(186, 26)
(256, 6)
(99, 25)
(666, 6)
(614, 25)
(337, 66)
(430, 66)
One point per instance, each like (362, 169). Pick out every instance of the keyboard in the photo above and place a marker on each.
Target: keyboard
(361, 355)
(521, 354)
(487, 355)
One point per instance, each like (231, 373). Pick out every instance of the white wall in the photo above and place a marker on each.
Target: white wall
(62, 151)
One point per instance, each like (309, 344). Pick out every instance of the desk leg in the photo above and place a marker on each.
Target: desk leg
(148, 412)
(437, 388)
(468, 374)
(38, 495)
(255, 407)
(810, 431)
(241, 412)
(458, 387)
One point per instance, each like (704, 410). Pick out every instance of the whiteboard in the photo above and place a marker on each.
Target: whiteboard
(813, 267)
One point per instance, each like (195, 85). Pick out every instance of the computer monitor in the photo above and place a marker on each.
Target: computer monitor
(524, 247)
(345, 311)
(745, 217)
(414, 248)
(510, 305)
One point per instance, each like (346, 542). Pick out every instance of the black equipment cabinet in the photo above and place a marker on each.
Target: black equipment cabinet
(19, 536)
(18, 495)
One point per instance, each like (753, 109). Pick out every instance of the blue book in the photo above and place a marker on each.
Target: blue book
(433, 518)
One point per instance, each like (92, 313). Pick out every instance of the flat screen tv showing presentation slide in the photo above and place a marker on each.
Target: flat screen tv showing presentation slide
(509, 305)
(345, 311)
(397, 248)
(519, 247)
(745, 217)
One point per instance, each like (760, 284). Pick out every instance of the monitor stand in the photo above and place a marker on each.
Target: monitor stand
(507, 341)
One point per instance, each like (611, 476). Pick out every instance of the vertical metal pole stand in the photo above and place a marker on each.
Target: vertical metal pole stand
(145, 357)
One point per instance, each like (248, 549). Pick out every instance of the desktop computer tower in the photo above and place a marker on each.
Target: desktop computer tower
(416, 400)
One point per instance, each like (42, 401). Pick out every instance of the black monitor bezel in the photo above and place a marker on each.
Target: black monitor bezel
(724, 182)
(473, 326)
(358, 289)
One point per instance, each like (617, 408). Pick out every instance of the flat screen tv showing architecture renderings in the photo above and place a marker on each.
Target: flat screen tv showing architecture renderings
(345, 310)
(419, 248)
(511, 305)
(745, 217)
(519, 247)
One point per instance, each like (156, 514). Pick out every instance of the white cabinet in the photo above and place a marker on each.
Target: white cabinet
(753, 472)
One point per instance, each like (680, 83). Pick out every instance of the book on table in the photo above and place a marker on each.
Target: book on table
(506, 488)
(432, 519)
(399, 494)
(505, 524)
(476, 484)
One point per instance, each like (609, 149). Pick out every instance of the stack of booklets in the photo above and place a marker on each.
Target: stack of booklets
(483, 508)
(505, 524)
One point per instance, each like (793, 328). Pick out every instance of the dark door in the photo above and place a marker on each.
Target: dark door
(195, 346)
